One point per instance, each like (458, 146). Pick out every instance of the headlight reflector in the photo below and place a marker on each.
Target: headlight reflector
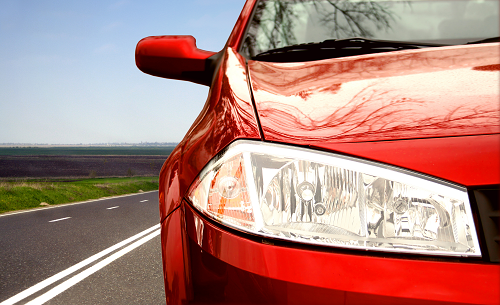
(322, 198)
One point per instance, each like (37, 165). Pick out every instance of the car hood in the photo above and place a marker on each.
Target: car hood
(435, 111)
(425, 93)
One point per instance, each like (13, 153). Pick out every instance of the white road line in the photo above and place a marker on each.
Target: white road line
(87, 272)
(55, 220)
(144, 200)
(113, 207)
(33, 289)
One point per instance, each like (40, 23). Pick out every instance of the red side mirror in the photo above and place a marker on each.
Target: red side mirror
(175, 57)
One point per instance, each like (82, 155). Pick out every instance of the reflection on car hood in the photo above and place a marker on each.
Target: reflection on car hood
(435, 92)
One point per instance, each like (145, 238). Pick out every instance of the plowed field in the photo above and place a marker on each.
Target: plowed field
(76, 166)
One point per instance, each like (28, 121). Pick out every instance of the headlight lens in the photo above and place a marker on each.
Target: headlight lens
(322, 198)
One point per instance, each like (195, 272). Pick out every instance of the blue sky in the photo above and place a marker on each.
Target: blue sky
(68, 76)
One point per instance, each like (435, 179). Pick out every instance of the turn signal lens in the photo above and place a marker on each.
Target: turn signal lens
(321, 198)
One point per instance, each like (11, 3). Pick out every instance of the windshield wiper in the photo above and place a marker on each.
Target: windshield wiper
(338, 48)
(491, 39)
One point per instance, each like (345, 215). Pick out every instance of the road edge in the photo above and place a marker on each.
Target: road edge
(70, 203)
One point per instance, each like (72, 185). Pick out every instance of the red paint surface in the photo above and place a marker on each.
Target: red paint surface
(173, 249)
(470, 161)
(228, 115)
(170, 56)
(236, 37)
(231, 269)
(435, 92)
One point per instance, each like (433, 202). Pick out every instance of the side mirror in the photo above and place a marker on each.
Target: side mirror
(175, 57)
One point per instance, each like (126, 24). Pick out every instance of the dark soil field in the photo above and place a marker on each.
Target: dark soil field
(87, 151)
(78, 166)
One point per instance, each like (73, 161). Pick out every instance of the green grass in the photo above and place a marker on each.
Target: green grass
(79, 151)
(20, 195)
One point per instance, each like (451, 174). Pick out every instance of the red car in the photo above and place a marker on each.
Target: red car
(348, 153)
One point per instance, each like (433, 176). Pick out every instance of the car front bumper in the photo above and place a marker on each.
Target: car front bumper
(204, 263)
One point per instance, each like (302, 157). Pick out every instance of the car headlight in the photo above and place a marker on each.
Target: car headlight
(314, 197)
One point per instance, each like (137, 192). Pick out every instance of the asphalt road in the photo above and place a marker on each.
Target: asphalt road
(99, 252)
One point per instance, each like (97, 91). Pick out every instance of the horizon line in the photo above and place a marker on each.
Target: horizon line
(89, 144)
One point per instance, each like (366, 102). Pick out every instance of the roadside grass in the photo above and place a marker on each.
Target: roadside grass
(20, 195)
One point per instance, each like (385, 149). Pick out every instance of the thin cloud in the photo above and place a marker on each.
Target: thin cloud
(218, 21)
(119, 4)
(111, 26)
(211, 2)
(108, 48)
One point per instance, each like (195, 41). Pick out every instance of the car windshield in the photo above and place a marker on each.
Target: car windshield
(278, 24)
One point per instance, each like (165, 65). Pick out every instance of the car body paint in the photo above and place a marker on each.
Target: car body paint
(206, 262)
(352, 278)
(469, 161)
(228, 115)
(383, 96)
(236, 37)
